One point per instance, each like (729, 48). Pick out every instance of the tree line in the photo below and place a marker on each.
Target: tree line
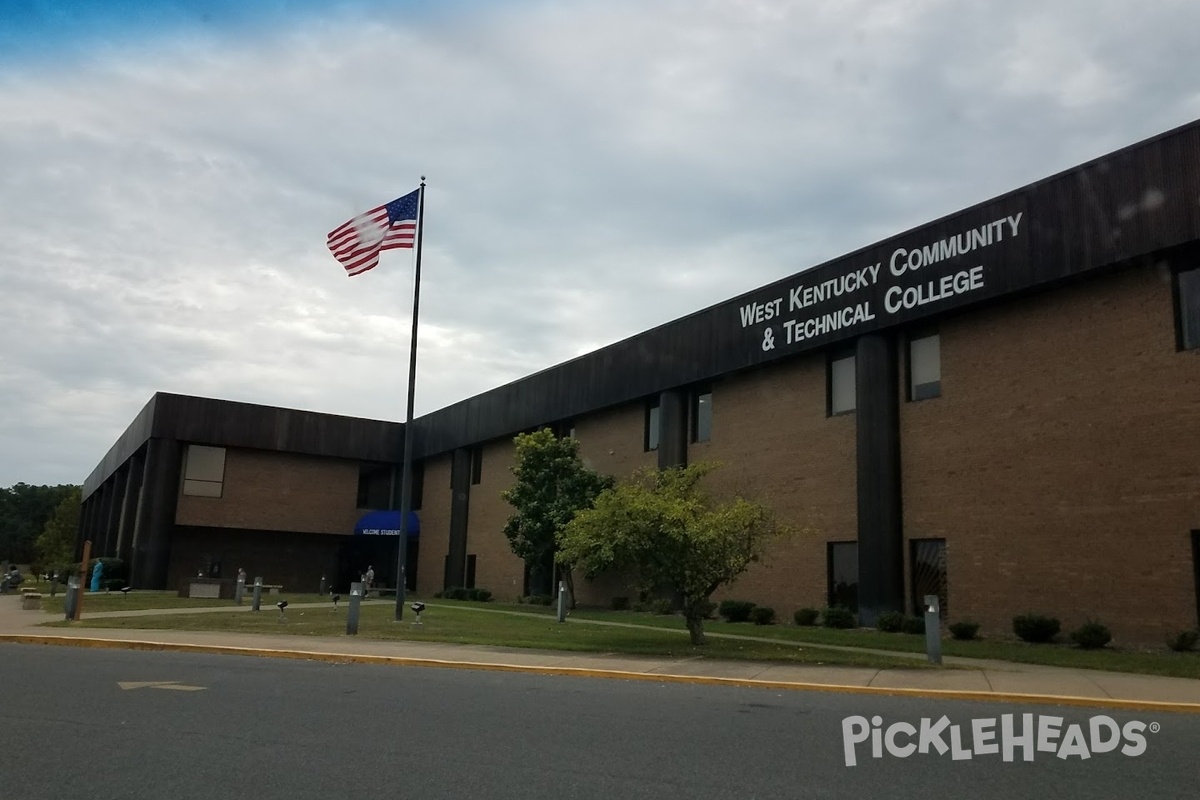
(38, 523)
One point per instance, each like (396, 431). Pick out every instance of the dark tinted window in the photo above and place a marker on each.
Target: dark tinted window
(843, 575)
(651, 432)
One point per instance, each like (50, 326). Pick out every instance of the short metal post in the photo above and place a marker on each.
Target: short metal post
(257, 599)
(72, 596)
(562, 601)
(933, 629)
(356, 590)
(322, 591)
(239, 591)
(53, 582)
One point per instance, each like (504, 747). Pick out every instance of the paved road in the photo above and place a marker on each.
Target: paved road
(266, 728)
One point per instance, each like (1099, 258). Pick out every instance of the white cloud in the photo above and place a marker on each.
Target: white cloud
(595, 169)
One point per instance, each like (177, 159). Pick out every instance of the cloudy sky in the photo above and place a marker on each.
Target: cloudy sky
(169, 171)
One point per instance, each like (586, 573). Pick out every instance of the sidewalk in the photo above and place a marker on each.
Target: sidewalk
(975, 680)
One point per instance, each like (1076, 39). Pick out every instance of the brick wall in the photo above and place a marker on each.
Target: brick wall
(1062, 461)
(612, 443)
(777, 446)
(435, 525)
(265, 490)
(496, 568)
(294, 560)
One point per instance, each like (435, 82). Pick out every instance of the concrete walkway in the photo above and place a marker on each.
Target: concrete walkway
(972, 679)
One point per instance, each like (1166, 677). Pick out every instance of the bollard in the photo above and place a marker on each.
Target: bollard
(933, 629)
(240, 590)
(322, 591)
(72, 596)
(356, 590)
(257, 599)
(53, 582)
(562, 601)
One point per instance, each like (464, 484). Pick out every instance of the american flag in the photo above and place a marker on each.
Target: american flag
(358, 243)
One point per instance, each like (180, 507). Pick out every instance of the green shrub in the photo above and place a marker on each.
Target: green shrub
(890, 622)
(913, 625)
(762, 615)
(839, 618)
(806, 617)
(1091, 635)
(1036, 628)
(481, 595)
(736, 610)
(964, 630)
(1183, 641)
(706, 608)
(620, 604)
(660, 605)
(438, 596)
(540, 599)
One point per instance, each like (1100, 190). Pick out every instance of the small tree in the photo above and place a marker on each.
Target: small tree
(56, 543)
(552, 486)
(666, 530)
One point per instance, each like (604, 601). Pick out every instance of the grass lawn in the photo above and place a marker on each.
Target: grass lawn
(466, 626)
(1111, 659)
(533, 626)
(144, 599)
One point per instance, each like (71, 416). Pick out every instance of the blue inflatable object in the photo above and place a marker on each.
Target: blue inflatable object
(97, 572)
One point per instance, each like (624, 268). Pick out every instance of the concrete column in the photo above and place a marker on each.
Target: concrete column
(880, 526)
(129, 503)
(460, 504)
(672, 429)
(112, 519)
(156, 515)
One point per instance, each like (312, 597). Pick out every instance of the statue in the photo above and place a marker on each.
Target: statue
(97, 573)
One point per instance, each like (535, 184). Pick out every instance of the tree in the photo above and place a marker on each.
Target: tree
(24, 510)
(56, 543)
(552, 486)
(665, 530)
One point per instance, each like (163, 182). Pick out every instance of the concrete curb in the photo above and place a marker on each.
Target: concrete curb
(584, 672)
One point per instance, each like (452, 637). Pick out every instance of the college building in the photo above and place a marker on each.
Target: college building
(1001, 407)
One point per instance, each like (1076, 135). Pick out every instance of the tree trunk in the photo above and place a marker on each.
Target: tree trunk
(568, 578)
(695, 625)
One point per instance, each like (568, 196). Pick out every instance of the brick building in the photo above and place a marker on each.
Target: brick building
(1001, 407)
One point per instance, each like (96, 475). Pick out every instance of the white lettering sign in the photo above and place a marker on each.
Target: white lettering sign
(799, 326)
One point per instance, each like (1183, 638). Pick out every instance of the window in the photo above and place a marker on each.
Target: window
(203, 470)
(702, 415)
(1187, 293)
(841, 385)
(375, 486)
(1196, 569)
(476, 465)
(842, 570)
(924, 368)
(928, 565)
(651, 432)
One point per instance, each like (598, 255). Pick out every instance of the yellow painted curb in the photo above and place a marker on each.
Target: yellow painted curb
(583, 672)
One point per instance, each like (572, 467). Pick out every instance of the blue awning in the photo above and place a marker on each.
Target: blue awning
(387, 523)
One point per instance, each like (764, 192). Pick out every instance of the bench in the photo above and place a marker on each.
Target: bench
(269, 588)
(31, 601)
(378, 591)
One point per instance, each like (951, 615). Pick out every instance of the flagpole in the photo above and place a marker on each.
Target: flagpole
(406, 473)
